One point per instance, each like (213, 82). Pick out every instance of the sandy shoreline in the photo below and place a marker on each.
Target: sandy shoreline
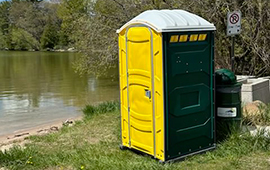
(7, 141)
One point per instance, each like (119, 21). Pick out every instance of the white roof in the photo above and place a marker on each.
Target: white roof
(170, 21)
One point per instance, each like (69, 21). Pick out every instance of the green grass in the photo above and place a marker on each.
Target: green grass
(105, 107)
(93, 143)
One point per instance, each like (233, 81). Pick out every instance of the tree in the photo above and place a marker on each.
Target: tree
(4, 24)
(70, 12)
(51, 33)
(29, 17)
(4, 16)
(98, 41)
(22, 40)
(50, 37)
(90, 25)
(37, 19)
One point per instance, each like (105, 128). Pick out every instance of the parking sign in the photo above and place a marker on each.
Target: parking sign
(233, 23)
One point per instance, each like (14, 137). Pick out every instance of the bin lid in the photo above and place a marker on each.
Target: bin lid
(170, 21)
(225, 77)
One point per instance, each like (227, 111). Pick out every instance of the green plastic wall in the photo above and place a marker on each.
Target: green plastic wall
(189, 95)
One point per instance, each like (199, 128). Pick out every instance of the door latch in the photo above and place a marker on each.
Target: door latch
(148, 93)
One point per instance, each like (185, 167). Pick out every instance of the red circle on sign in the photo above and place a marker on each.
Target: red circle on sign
(234, 18)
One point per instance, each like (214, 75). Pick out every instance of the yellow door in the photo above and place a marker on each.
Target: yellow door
(139, 78)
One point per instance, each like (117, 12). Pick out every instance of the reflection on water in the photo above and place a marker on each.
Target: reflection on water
(41, 87)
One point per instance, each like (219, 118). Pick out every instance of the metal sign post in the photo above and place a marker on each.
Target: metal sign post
(232, 54)
(233, 28)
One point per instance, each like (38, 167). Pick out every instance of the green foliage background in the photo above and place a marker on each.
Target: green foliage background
(90, 26)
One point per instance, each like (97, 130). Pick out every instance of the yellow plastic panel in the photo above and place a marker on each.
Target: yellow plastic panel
(123, 89)
(139, 70)
(183, 38)
(202, 37)
(193, 37)
(140, 80)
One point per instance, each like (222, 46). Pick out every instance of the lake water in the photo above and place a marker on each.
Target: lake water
(41, 87)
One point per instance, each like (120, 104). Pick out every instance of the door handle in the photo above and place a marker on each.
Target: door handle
(148, 93)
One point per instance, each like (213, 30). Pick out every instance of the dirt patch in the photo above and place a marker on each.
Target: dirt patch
(19, 138)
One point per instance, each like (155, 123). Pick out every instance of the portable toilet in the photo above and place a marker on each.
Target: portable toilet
(166, 70)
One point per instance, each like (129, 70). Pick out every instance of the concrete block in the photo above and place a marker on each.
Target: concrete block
(267, 78)
(255, 89)
(243, 77)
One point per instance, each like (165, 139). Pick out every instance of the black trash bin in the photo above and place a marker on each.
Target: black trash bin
(228, 103)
